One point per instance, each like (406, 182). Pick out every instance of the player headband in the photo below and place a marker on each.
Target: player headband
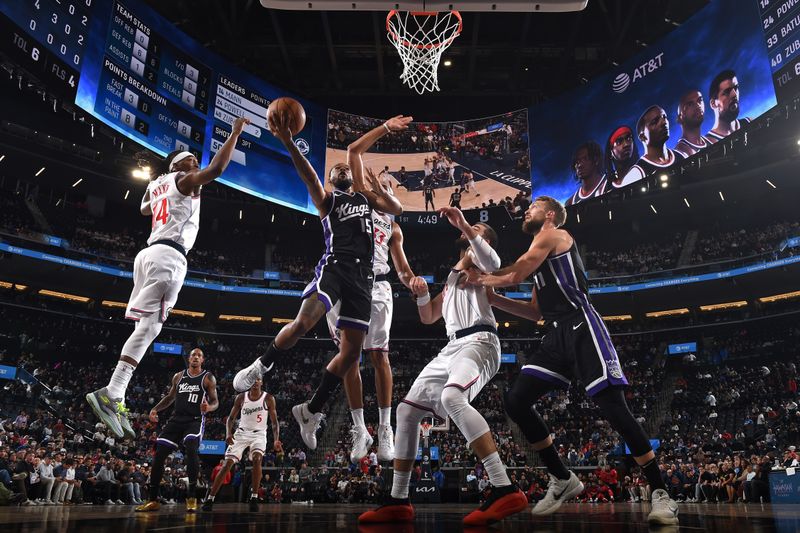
(178, 158)
(619, 132)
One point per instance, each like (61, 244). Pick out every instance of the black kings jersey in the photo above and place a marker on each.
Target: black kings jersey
(561, 285)
(190, 395)
(348, 228)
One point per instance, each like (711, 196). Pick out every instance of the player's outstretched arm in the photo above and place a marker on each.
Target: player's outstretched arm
(273, 420)
(319, 197)
(232, 416)
(399, 259)
(430, 310)
(485, 258)
(358, 147)
(210, 384)
(542, 245)
(379, 196)
(167, 400)
(145, 208)
(196, 178)
(529, 310)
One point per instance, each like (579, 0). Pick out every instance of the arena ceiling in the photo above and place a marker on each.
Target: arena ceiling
(501, 61)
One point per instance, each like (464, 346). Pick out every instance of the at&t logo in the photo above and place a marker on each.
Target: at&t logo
(622, 81)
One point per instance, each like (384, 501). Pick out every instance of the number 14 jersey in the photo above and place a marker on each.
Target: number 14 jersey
(176, 217)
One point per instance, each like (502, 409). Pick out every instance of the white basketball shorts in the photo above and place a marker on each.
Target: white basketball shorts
(243, 439)
(158, 274)
(468, 363)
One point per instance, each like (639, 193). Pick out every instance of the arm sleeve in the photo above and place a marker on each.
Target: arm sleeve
(484, 255)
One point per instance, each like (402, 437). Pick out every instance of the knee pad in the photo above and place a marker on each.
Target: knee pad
(406, 437)
(468, 420)
(145, 332)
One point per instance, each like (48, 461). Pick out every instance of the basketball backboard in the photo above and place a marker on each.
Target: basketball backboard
(429, 5)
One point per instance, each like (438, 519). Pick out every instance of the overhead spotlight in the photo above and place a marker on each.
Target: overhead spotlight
(240, 214)
(448, 63)
(272, 218)
(2, 157)
(687, 203)
(798, 140)
(304, 222)
(644, 189)
(77, 183)
(615, 63)
(670, 21)
(768, 182)
(654, 209)
(663, 177)
(609, 214)
(664, 184)
(579, 218)
(40, 171)
(127, 193)
(641, 43)
(140, 173)
(91, 130)
(58, 203)
(584, 80)
(721, 196)
(526, 70)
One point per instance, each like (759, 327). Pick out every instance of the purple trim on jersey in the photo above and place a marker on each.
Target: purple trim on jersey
(566, 274)
(528, 371)
(198, 436)
(350, 324)
(167, 442)
(313, 289)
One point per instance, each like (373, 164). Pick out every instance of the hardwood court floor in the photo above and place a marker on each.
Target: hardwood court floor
(234, 518)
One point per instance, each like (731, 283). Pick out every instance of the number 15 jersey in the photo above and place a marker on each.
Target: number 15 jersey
(176, 217)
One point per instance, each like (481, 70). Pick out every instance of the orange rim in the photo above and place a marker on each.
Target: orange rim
(408, 44)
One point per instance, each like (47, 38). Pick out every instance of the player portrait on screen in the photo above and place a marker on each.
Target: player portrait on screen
(587, 163)
(723, 96)
(691, 113)
(652, 129)
(621, 154)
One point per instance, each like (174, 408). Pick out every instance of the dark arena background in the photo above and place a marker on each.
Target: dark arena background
(668, 128)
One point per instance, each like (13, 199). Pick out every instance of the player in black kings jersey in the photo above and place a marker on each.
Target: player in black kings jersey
(194, 392)
(577, 344)
(343, 274)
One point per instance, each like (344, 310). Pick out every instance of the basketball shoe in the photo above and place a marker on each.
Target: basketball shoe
(502, 502)
(309, 424)
(361, 440)
(558, 491)
(107, 410)
(664, 510)
(385, 443)
(394, 510)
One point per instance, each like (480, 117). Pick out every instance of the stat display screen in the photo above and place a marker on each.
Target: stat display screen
(780, 20)
(136, 72)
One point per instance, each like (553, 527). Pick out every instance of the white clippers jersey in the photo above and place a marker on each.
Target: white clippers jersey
(175, 217)
(383, 232)
(254, 413)
(464, 308)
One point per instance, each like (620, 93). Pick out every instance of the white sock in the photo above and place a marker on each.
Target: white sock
(358, 417)
(385, 415)
(496, 470)
(211, 497)
(400, 484)
(119, 379)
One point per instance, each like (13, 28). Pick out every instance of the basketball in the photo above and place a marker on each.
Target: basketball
(285, 108)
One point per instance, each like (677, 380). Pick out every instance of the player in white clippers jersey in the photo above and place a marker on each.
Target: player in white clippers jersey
(252, 407)
(173, 201)
(388, 238)
(448, 384)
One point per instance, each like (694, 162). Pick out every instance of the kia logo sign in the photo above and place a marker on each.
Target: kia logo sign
(621, 83)
(426, 489)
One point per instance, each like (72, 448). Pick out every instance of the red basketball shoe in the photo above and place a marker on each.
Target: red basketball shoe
(502, 502)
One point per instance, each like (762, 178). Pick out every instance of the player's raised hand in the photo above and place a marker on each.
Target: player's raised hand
(238, 125)
(204, 406)
(454, 216)
(153, 416)
(398, 123)
(277, 446)
(279, 127)
(375, 182)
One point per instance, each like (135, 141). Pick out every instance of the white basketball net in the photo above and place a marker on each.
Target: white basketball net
(421, 38)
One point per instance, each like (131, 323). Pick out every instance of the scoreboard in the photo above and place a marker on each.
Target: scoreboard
(48, 37)
(780, 20)
(136, 72)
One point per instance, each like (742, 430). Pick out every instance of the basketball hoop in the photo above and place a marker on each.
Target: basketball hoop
(421, 37)
(425, 429)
